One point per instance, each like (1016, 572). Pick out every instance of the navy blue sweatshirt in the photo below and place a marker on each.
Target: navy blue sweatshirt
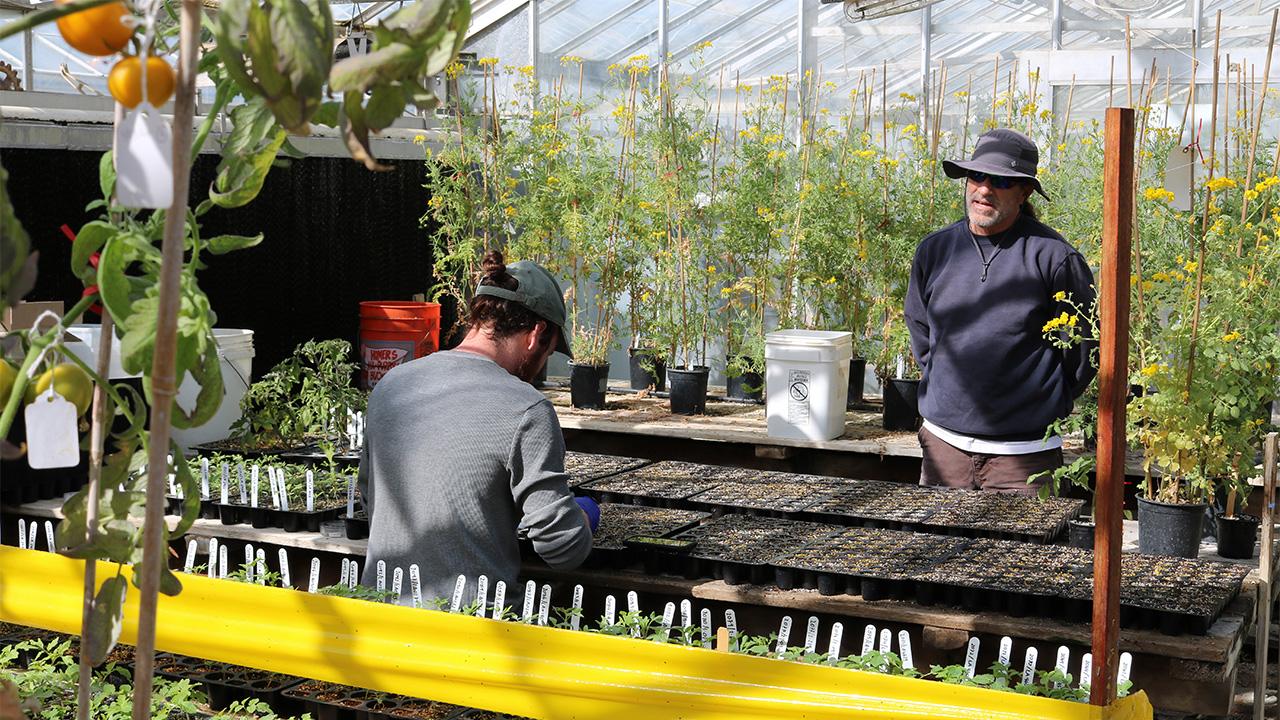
(986, 369)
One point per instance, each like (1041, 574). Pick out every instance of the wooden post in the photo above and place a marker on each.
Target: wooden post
(1266, 570)
(1113, 384)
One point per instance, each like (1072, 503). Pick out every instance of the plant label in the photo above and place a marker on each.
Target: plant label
(668, 617)
(705, 618)
(731, 624)
(212, 570)
(253, 487)
(868, 639)
(191, 557)
(633, 602)
(610, 610)
(1126, 667)
(311, 490)
(459, 586)
(346, 572)
(240, 480)
(500, 600)
(1086, 671)
(354, 578)
(223, 481)
(143, 153)
(530, 597)
(904, 649)
(784, 634)
(1006, 650)
(382, 576)
(173, 487)
(575, 620)
(397, 583)
(313, 583)
(811, 636)
(222, 562)
(482, 595)
(544, 605)
(833, 648)
(1064, 659)
(22, 534)
(886, 641)
(351, 496)
(248, 561)
(285, 580)
(415, 585)
(275, 492)
(49, 537)
(260, 566)
(686, 613)
(1029, 666)
(52, 438)
(204, 478)
(971, 657)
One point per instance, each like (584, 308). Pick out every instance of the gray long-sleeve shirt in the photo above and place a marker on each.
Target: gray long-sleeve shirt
(459, 456)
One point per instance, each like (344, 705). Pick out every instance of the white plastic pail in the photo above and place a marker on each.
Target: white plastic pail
(807, 381)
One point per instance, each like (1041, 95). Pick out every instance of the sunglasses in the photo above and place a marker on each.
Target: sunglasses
(998, 182)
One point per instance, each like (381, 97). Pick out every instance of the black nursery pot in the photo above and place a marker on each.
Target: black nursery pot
(1236, 536)
(857, 373)
(747, 386)
(1080, 534)
(688, 390)
(587, 384)
(642, 378)
(901, 411)
(1169, 529)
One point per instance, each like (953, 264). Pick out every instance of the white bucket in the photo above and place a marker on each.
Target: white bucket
(807, 383)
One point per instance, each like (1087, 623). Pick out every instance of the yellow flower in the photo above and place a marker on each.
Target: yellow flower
(1158, 195)
(487, 61)
(909, 129)
(1251, 194)
(711, 269)
(776, 154)
(1160, 277)
(644, 296)
(866, 153)
(831, 280)
(1150, 370)
(419, 139)
(1148, 286)
(1060, 295)
(1231, 336)
(907, 96)
(526, 70)
(570, 60)
(552, 180)
(510, 211)
(1221, 183)
(1190, 266)
(725, 292)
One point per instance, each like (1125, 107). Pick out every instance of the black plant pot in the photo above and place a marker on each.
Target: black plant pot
(1236, 536)
(642, 378)
(688, 390)
(1170, 529)
(1080, 534)
(857, 373)
(747, 386)
(587, 384)
(900, 409)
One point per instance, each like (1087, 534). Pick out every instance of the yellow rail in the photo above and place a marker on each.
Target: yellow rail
(504, 666)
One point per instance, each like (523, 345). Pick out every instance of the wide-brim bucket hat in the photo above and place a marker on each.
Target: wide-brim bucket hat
(1002, 152)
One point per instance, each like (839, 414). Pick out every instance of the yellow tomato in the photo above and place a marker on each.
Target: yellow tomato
(69, 381)
(8, 374)
(125, 81)
(99, 30)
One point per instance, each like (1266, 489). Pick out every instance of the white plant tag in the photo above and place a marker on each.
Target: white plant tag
(886, 646)
(143, 154)
(1086, 671)
(178, 490)
(668, 617)
(354, 578)
(971, 657)
(248, 560)
(482, 595)
(191, 557)
(705, 622)
(499, 600)
(544, 605)
(351, 496)
(633, 602)
(381, 575)
(686, 613)
(22, 534)
(260, 566)
(1029, 666)
(1006, 650)
(285, 580)
(611, 610)
(415, 585)
(204, 478)
(49, 538)
(275, 491)
(731, 624)
(530, 597)
(784, 634)
(575, 620)
(313, 583)
(1063, 663)
(1179, 175)
(397, 583)
(346, 572)
(253, 487)
(212, 570)
(52, 439)
(1126, 667)
(284, 490)
(811, 636)
(240, 480)
(459, 585)
(222, 562)
(311, 489)
(868, 639)
(837, 635)
(223, 490)
(33, 532)
(904, 649)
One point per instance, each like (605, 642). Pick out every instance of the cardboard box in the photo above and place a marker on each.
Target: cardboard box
(24, 314)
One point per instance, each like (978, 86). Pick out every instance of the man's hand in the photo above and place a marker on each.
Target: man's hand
(592, 511)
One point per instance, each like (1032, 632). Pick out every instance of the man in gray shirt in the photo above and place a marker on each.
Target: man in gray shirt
(462, 454)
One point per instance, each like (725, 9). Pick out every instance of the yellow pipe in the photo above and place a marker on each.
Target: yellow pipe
(504, 666)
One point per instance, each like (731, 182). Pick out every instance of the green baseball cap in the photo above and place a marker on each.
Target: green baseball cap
(537, 290)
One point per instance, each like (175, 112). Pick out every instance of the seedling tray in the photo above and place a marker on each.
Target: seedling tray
(874, 563)
(329, 701)
(1004, 515)
(585, 467)
(740, 548)
(1176, 593)
(783, 497)
(673, 493)
(619, 522)
(877, 504)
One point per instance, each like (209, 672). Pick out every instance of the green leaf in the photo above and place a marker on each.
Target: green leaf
(223, 244)
(91, 238)
(105, 620)
(384, 65)
(328, 114)
(240, 181)
(356, 133)
(385, 105)
(17, 267)
(139, 339)
(107, 174)
(208, 375)
(420, 20)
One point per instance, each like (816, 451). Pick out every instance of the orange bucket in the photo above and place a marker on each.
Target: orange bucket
(394, 332)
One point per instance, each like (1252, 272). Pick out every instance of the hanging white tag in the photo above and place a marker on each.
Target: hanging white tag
(482, 595)
(544, 604)
(381, 570)
(285, 580)
(811, 636)
(575, 620)
(313, 582)
(143, 156)
(610, 610)
(1029, 666)
(705, 617)
(530, 597)
(311, 503)
(48, 536)
(500, 600)
(1006, 650)
(837, 634)
(1180, 175)
(213, 557)
(191, 557)
(904, 649)
(971, 657)
(52, 439)
(455, 604)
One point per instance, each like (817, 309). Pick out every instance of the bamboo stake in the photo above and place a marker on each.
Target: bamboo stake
(884, 133)
(1066, 121)
(1226, 122)
(163, 384)
(1204, 225)
(1128, 61)
(737, 83)
(995, 89)
(968, 94)
(1168, 76)
(1137, 179)
(1257, 124)
(1013, 78)
(1111, 82)
(1034, 83)
(715, 136)
(97, 436)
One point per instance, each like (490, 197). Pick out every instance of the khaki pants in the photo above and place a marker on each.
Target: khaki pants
(945, 465)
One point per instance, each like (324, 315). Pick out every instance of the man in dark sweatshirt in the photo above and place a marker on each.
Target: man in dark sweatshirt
(980, 295)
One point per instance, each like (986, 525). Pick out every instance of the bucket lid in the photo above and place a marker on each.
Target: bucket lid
(810, 338)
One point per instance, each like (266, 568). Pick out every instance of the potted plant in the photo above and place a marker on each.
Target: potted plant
(1236, 531)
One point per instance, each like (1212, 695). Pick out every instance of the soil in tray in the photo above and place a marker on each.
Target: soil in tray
(1006, 513)
(879, 501)
(881, 554)
(784, 495)
(585, 467)
(1178, 585)
(752, 540)
(625, 485)
(619, 522)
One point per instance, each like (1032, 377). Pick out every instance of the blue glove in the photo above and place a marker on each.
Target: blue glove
(592, 510)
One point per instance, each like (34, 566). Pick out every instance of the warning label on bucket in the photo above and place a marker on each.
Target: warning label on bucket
(798, 396)
(380, 356)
